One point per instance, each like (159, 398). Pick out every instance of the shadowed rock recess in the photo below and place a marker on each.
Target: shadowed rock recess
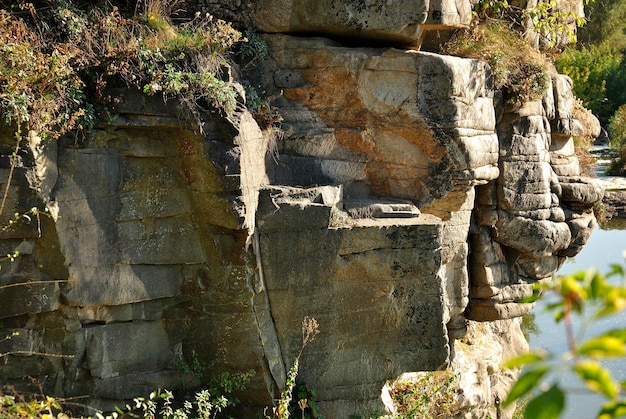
(404, 207)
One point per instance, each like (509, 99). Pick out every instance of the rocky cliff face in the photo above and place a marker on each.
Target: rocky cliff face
(403, 203)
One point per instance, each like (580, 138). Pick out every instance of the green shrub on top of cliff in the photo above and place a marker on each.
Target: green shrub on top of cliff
(57, 58)
(598, 76)
(605, 24)
(509, 37)
(39, 87)
(549, 23)
(519, 70)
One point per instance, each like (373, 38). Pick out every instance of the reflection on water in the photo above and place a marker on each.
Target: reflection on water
(605, 247)
(613, 225)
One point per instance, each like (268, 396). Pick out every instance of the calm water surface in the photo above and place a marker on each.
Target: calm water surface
(605, 247)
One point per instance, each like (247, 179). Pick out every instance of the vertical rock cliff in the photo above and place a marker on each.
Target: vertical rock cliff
(404, 207)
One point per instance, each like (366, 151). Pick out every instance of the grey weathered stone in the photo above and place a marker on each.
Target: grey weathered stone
(399, 21)
(391, 265)
(380, 209)
(524, 234)
(112, 352)
(581, 191)
(22, 298)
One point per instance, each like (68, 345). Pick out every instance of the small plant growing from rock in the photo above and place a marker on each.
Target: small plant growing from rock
(431, 394)
(310, 329)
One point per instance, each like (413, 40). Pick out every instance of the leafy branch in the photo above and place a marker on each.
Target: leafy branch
(549, 19)
(589, 296)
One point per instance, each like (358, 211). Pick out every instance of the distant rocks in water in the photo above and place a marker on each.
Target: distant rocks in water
(615, 204)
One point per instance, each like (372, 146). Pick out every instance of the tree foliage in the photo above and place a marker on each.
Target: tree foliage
(598, 74)
(617, 127)
(606, 22)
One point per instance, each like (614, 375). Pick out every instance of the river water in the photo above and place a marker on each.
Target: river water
(605, 247)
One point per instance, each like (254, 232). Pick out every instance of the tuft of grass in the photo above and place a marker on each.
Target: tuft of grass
(519, 70)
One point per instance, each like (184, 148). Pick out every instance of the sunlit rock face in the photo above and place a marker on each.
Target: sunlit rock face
(100, 300)
(389, 123)
(394, 124)
(398, 22)
(538, 212)
(401, 204)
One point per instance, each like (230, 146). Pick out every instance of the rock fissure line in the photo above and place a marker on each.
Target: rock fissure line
(265, 323)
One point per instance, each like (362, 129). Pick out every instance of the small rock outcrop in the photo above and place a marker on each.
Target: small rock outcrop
(404, 207)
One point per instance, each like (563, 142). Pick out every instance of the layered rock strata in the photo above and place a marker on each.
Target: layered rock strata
(402, 202)
(538, 212)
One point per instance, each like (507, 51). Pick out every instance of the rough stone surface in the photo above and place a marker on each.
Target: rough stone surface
(536, 214)
(401, 207)
(382, 276)
(402, 22)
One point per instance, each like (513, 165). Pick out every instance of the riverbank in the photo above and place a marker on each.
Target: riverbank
(614, 186)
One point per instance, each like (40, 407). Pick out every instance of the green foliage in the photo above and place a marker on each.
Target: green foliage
(529, 325)
(549, 19)
(485, 9)
(591, 296)
(207, 403)
(52, 57)
(617, 128)
(186, 61)
(305, 405)
(226, 383)
(519, 70)
(605, 24)
(553, 20)
(253, 49)
(547, 405)
(210, 402)
(12, 407)
(283, 408)
(598, 77)
(527, 81)
(195, 368)
(39, 88)
(259, 105)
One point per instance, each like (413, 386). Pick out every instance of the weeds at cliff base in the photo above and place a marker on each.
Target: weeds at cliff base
(430, 394)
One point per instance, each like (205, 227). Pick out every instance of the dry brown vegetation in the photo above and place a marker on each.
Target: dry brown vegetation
(519, 70)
